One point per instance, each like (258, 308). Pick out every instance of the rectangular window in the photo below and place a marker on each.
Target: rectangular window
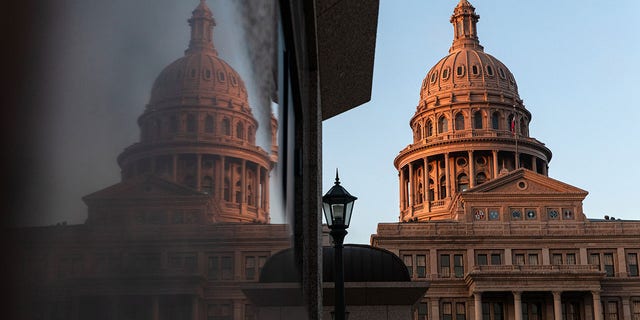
(608, 264)
(632, 264)
(482, 260)
(496, 259)
(461, 311)
(416, 263)
(594, 259)
(571, 258)
(486, 311)
(219, 312)
(533, 259)
(518, 259)
(556, 259)
(421, 311)
(498, 314)
(249, 268)
(458, 265)
(220, 267)
(446, 311)
(445, 266)
(408, 261)
(186, 262)
(635, 309)
(421, 266)
(611, 312)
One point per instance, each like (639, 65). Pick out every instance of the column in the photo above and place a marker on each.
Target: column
(534, 164)
(545, 168)
(175, 168)
(597, 306)
(508, 257)
(433, 263)
(412, 192)
(626, 308)
(435, 309)
(557, 304)
(622, 262)
(477, 297)
(195, 308)
(495, 163)
(446, 174)
(426, 185)
(260, 192)
(517, 305)
(155, 308)
(583, 256)
(472, 171)
(266, 191)
(546, 260)
(221, 178)
(243, 182)
(198, 171)
(401, 188)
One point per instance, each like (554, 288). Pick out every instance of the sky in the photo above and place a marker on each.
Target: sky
(576, 64)
(577, 67)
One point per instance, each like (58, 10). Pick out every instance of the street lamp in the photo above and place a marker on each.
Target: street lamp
(337, 205)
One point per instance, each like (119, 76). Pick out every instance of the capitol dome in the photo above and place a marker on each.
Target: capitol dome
(200, 73)
(470, 126)
(467, 66)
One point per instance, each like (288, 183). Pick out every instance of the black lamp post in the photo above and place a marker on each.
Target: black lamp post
(337, 205)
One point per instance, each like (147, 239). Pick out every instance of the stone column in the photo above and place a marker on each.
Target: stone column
(545, 168)
(477, 297)
(557, 304)
(401, 188)
(426, 185)
(433, 263)
(243, 182)
(517, 305)
(195, 308)
(472, 171)
(583, 256)
(155, 308)
(221, 176)
(508, 259)
(447, 175)
(534, 164)
(259, 191)
(495, 163)
(622, 262)
(412, 191)
(626, 308)
(266, 192)
(597, 307)
(435, 309)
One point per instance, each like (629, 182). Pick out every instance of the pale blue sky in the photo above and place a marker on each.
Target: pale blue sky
(577, 68)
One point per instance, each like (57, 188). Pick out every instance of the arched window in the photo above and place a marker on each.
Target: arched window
(459, 121)
(495, 120)
(207, 184)
(443, 187)
(429, 128)
(239, 130)
(442, 125)
(418, 132)
(226, 127)
(191, 123)
(523, 127)
(477, 120)
(462, 182)
(481, 178)
(208, 124)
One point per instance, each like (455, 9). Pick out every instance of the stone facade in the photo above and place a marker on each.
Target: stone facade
(481, 220)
